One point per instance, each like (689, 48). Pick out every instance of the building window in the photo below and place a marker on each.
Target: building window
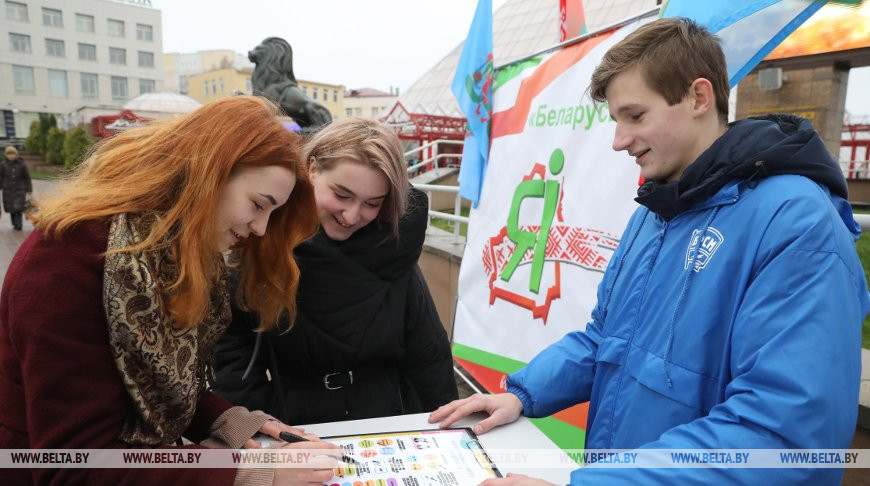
(87, 52)
(375, 111)
(314, 93)
(22, 77)
(57, 86)
(117, 55)
(144, 32)
(54, 47)
(115, 28)
(90, 86)
(119, 88)
(52, 17)
(248, 86)
(205, 87)
(146, 86)
(335, 95)
(305, 90)
(221, 82)
(84, 23)
(358, 111)
(146, 59)
(183, 84)
(349, 111)
(19, 42)
(16, 11)
(213, 86)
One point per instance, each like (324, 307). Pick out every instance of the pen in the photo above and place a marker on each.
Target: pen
(291, 438)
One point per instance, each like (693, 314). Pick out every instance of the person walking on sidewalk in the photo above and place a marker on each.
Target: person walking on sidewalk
(16, 186)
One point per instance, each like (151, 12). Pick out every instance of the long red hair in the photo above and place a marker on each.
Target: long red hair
(175, 170)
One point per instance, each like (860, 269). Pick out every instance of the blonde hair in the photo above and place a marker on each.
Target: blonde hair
(175, 170)
(372, 144)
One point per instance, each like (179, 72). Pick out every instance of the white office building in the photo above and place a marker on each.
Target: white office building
(75, 59)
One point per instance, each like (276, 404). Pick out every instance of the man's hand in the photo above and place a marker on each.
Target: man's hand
(502, 409)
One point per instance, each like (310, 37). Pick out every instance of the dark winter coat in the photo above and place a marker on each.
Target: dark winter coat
(367, 340)
(15, 184)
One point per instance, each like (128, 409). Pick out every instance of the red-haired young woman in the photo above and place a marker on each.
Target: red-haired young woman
(110, 310)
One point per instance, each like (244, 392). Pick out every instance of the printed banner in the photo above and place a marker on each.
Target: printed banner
(553, 206)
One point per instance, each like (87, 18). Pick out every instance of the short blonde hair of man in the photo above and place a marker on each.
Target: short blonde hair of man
(370, 143)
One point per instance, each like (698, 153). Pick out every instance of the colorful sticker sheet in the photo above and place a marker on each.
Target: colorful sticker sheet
(449, 457)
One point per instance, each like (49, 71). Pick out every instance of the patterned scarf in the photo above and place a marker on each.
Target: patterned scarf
(164, 367)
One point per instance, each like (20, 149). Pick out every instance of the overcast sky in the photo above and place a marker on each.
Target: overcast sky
(357, 43)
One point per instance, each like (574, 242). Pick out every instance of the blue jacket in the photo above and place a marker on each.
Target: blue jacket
(731, 322)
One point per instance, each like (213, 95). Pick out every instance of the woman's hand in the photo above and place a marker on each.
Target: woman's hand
(320, 460)
(272, 428)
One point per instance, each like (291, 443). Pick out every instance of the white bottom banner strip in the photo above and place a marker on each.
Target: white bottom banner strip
(515, 458)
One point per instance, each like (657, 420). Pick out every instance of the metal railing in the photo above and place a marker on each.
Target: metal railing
(855, 169)
(456, 217)
(429, 189)
(436, 159)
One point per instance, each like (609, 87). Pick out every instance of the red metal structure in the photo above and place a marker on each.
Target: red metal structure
(424, 128)
(856, 138)
(101, 124)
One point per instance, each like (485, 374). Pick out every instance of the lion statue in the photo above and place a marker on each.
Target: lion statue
(273, 78)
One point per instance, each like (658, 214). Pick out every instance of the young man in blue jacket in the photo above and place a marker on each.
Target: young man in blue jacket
(730, 315)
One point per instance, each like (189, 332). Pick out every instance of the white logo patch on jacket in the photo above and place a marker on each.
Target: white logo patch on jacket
(703, 251)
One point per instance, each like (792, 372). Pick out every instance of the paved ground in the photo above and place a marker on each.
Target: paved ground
(10, 240)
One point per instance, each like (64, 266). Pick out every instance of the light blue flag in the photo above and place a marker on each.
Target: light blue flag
(472, 86)
(749, 29)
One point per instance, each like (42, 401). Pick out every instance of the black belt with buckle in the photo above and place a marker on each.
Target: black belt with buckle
(338, 380)
(335, 380)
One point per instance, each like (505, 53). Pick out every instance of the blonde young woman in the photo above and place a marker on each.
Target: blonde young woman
(110, 310)
(366, 340)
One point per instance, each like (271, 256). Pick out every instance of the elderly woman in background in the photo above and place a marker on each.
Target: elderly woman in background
(16, 186)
